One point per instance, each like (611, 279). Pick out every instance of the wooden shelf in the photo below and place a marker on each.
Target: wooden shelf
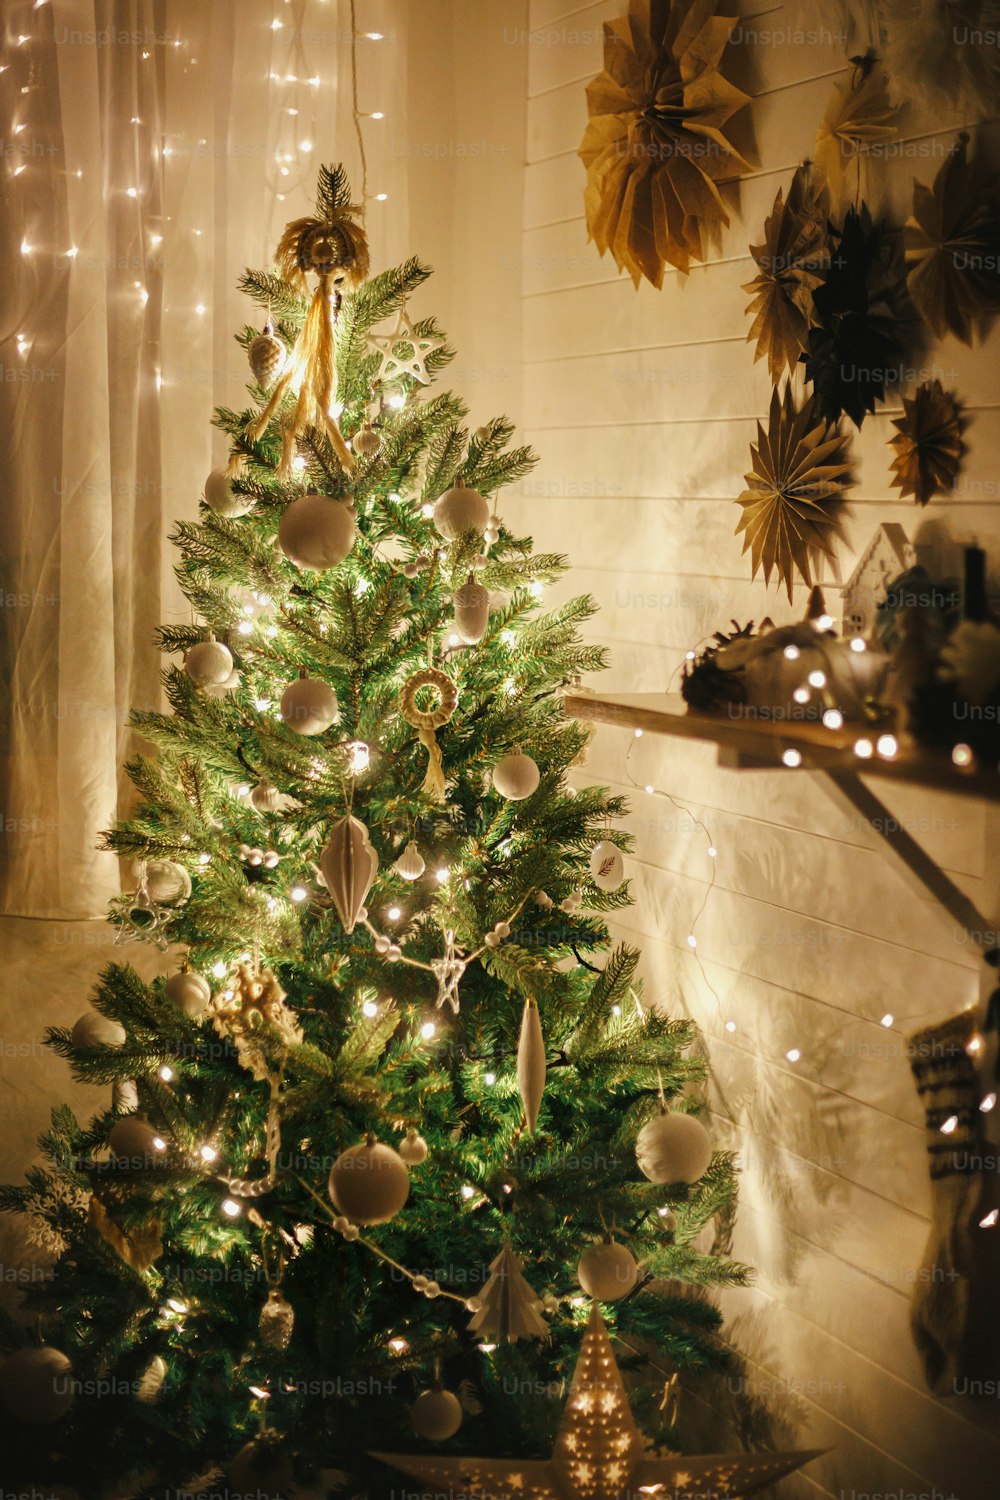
(760, 743)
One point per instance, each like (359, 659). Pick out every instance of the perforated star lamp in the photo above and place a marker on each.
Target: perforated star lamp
(600, 1453)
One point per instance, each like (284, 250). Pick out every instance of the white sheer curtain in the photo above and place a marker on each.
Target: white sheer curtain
(154, 148)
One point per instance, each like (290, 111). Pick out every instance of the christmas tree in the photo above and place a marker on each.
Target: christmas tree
(374, 1133)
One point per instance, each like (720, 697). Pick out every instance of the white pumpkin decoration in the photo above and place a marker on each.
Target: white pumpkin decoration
(369, 1183)
(413, 1149)
(36, 1385)
(167, 882)
(134, 1141)
(221, 498)
(95, 1030)
(459, 510)
(673, 1147)
(316, 532)
(190, 992)
(410, 864)
(309, 705)
(209, 663)
(349, 865)
(436, 1414)
(516, 776)
(608, 1271)
(607, 867)
(472, 611)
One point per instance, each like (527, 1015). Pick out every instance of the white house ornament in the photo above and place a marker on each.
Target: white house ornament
(427, 720)
(516, 776)
(267, 356)
(509, 1309)
(209, 662)
(531, 1064)
(673, 1147)
(369, 1183)
(349, 865)
(436, 1414)
(36, 1385)
(391, 365)
(410, 864)
(607, 867)
(317, 532)
(96, 1030)
(413, 1148)
(599, 1452)
(309, 706)
(472, 611)
(460, 510)
(607, 1271)
(221, 498)
(190, 992)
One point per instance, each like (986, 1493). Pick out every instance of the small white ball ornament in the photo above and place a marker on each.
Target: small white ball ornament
(95, 1030)
(309, 706)
(366, 441)
(608, 1271)
(167, 882)
(36, 1385)
(436, 1414)
(316, 532)
(266, 798)
(459, 510)
(410, 864)
(607, 867)
(369, 1183)
(221, 498)
(413, 1149)
(516, 776)
(673, 1147)
(209, 663)
(190, 992)
(134, 1142)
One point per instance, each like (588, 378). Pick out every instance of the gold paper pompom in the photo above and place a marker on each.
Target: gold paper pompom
(928, 443)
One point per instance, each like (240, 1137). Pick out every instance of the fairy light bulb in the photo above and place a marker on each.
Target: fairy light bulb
(791, 758)
(298, 893)
(950, 1125)
(467, 1191)
(428, 1030)
(489, 1079)
(864, 749)
(988, 1103)
(887, 745)
(887, 1020)
(370, 1009)
(219, 969)
(817, 679)
(398, 1345)
(394, 913)
(961, 756)
(208, 1154)
(441, 875)
(990, 1221)
(166, 1073)
(231, 1208)
(360, 757)
(793, 1054)
(833, 719)
(792, 653)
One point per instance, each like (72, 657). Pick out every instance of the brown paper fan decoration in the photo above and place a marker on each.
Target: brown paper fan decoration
(860, 115)
(794, 502)
(952, 246)
(928, 443)
(656, 146)
(791, 263)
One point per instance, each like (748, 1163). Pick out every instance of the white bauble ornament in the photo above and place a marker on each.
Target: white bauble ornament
(413, 1149)
(366, 440)
(151, 1381)
(459, 510)
(410, 863)
(472, 611)
(267, 356)
(607, 867)
(606, 1272)
(220, 689)
(309, 706)
(95, 1030)
(531, 1064)
(134, 1142)
(266, 798)
(36, 1385)
(222, 498)
(209, 663)
(262, 1470)
(167, 882)
(369, 1183)
(516, 776)
(124, 1095)
(190, 992)
(316, 532)
(349, 865)
(673, 1148)
(436, 1414)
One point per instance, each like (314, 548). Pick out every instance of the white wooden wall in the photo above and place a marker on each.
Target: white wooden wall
(642, 406)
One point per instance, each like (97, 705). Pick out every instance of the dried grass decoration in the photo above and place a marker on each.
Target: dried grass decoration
(928, 443)
(792, 261)
(655, 148)
(859, 116)
(794, 501)
(952, 246)
(426, 720)
(333, 247)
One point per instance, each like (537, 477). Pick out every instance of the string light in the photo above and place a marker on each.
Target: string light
(791, 758)
(428, 1030)
(208, 1154)
(298, 893)
(370, 1009)
(231, 1208)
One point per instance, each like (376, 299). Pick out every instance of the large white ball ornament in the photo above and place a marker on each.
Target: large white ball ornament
(209, 663)
(36, 1385)
(222, 498)
(673, 1148)
(607, 1272)
(607, 867)
(369, 1183)
(459, 510)
(134, 1142)
(167, 882)
(316, 532)
(190, 992)
(309, 705)
(436, 1414)
(516, 776)
(95, 1030)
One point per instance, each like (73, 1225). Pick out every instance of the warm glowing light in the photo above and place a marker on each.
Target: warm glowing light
(949, 1125)
(220, 970)
(394, 913)
(887, 1020)
(792, 653)
(791, 758)
(467, 1191)
(962, 756)
(857, 644)
(817, 679)
(298, 893)
(489, 1079)
(887, 745)
(166, 1073)
(231, 1208)
(442, 875)
(730, 1025)
(208, 1154)
(833, 719)
(428, 1030)
(692, 941)
(370, 1009)
(793, 1054)
(864, 749)
(987, 1103)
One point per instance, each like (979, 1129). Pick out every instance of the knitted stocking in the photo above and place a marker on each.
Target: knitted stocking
(955, 1311)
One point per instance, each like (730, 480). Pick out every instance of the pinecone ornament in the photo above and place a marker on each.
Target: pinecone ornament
(267, 357)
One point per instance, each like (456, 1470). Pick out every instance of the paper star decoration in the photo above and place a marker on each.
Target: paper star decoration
(391, 365)
(600, 1453)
